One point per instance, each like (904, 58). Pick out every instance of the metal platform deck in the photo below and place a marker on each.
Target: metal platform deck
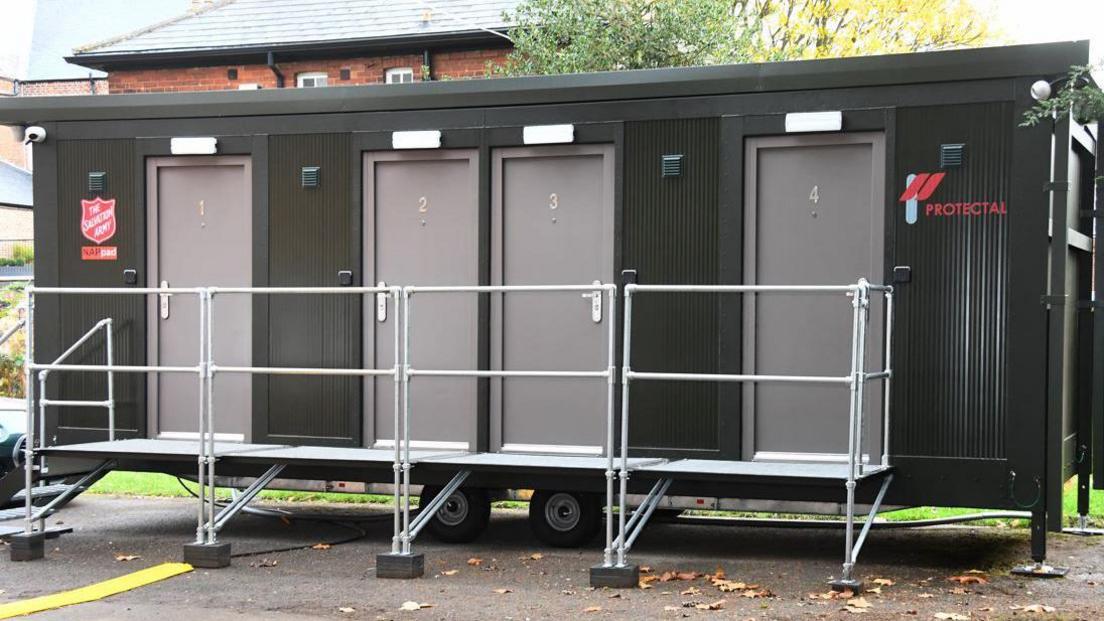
(533, 462)
(188, 450)
(229, 453)
(747, 471)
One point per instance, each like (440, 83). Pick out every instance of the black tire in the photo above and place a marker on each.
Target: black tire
(565, 519)
(462, 518)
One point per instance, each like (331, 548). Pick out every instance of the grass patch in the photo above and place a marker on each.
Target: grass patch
(152, 484)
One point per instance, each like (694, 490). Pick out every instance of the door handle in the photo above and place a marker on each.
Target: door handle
(595, 303)
(381, 304)
(163, 300)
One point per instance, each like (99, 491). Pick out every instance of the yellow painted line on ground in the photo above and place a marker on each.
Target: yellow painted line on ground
(94, 592)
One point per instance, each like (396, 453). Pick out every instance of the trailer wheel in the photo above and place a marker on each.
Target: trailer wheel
(564, 519)
(463, 516)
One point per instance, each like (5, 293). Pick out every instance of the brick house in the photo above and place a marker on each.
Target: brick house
(38, 36)
(293, 43)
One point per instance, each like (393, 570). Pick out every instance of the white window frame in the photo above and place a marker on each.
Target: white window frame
(399, 75)
(318, 79)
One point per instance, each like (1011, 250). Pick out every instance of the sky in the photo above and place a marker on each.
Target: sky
(1037, 21)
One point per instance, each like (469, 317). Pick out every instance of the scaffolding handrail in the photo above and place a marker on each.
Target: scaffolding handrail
(404, 535)
(205, 370)
(856, 381)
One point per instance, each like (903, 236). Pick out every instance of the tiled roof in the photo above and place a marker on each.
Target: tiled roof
(235, 24)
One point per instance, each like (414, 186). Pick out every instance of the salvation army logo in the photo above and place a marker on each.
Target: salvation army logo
(98, 219)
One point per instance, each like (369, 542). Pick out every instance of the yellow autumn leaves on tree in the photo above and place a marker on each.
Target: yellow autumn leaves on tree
(571, 36)
(835, 28)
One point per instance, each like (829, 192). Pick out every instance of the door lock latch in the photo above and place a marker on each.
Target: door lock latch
(595, 302)
(163, 300)
(381, 304)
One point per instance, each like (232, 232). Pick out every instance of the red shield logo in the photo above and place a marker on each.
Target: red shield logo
(98, 219)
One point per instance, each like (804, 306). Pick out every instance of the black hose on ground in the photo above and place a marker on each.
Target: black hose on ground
(343, 521)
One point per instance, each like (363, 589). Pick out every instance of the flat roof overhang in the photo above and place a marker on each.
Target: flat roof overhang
(1049, 60)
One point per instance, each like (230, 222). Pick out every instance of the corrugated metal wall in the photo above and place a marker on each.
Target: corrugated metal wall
(310, 239)
(670, 235)
(949, 393)
(76, 314)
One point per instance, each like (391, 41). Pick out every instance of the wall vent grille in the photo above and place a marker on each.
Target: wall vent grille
(672, 165)
(951, 155)
(310, 176)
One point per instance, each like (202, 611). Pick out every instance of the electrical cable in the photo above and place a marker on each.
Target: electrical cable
(1012, 491)
(344, 521)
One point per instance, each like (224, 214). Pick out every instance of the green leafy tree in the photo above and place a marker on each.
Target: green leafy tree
(572, 36)
(576, 36)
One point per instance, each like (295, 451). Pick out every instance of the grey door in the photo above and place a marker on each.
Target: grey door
(422, 228)
(814, 217)
(200, 233)
(552, 224)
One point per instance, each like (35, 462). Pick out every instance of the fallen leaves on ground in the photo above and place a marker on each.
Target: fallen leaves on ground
(950, 616)
(717, 605)
(536, 556)
(346, 609)
(450, 572)
(412, 605)
(475, 561)
(971, 577)
(857, 605)
(883, 582)
(844, 594)
(1034, 608)
(646, 581)
(123, 558)
(645, 569)
(321, 546)
(503, 591)
(668, 576)
(691, 591)
(592, 609)
(265, 563)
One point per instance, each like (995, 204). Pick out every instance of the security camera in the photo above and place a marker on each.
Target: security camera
(34, 134)
(1041, 90)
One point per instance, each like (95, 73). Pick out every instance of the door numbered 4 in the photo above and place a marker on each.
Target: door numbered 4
(595, 303)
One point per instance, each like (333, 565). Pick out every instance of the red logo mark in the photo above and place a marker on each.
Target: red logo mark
(922, 187)
(99, 253)
(98, 219)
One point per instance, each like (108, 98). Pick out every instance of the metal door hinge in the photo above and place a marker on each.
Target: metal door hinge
(1053, 300)
(595, 302)
(381, 304)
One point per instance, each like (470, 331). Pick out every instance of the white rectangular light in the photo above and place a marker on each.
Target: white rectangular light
(548, 134)
(193, 146)
(828, 121)
(416, 140)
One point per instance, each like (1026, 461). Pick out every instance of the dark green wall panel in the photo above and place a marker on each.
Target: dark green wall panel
(670, 236)
(310, 240)
(77, 313)
(951, 345)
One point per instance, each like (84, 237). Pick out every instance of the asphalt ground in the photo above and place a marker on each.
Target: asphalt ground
(507, 574)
